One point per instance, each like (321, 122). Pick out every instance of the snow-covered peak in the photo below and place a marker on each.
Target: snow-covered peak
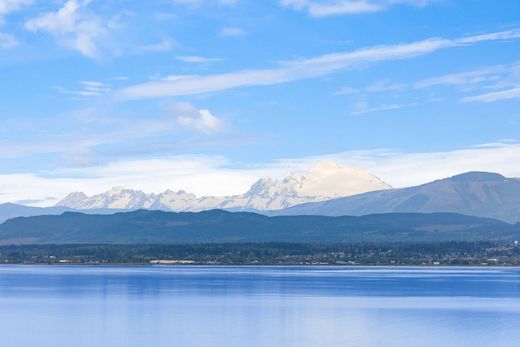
(117, 197)
(73, 200)
(117, 190)
(324, 181)
(270, 187)
(330, 179)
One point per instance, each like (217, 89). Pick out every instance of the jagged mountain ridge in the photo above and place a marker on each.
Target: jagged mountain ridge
(481, 194)
(327, 180)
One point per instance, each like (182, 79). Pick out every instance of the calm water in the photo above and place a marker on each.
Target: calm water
(258, 306)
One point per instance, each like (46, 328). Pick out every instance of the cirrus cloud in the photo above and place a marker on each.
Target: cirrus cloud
(324, 8)
(302, 68)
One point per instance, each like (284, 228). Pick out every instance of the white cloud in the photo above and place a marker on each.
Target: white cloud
(196, 59)
(508, 94)
(165, 16)
(79, 158)
(405, 169)
(73, 26)
(202, 175)
(228, 2)
(385, 86)
(376, 87)
(347, 91)
(489, 76)
(165, 45)
(196, 3)
(216, 175)
(300, 69)
(504, 79)
(495, 77)
(232, 32)
(187, 2)
(200, 120)
(362, 107)
(89, 88)
(8, 6)
(324, 8)
(8, 41)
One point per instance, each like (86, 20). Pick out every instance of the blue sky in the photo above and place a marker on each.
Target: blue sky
(208, 95)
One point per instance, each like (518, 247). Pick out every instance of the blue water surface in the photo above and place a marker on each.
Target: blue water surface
(258, 306)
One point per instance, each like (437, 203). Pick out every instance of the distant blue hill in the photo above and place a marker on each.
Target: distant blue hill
(217, 226)
(482, 194)
(9, 210)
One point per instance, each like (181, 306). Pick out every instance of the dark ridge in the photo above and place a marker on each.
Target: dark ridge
(217, 226)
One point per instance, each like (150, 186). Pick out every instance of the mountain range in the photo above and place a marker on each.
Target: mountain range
(474, 206)
(325, 181)
(481, 194)
(217, 226)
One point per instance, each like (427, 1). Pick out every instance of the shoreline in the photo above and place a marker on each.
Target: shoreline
(483, 254)
(262, 265)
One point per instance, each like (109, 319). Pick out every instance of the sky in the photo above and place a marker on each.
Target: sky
(210, 95)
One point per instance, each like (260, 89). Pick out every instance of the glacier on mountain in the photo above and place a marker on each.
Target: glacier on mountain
(325, 181)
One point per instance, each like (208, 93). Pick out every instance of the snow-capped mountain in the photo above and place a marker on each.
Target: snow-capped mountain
(325, 181)
(117, 197)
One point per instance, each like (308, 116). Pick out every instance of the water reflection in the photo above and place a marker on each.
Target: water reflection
(258, 306)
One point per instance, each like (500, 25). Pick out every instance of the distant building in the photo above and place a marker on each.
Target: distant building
(172, 262)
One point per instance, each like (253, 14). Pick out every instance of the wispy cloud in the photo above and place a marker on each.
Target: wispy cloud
(232, 32)
(187, 2)
(228, 2)
(503, 79)
(301, 69)
(508, 94)
(89, 88)
(376, 87)
(165, 45)
(196, 59)
(347, 91)
(487, 77)
(201, 120)
(8, 6)
(362, 107)
(324, 8)
(73, 26)
(385, 86)
(197, 3)
(8, 41)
